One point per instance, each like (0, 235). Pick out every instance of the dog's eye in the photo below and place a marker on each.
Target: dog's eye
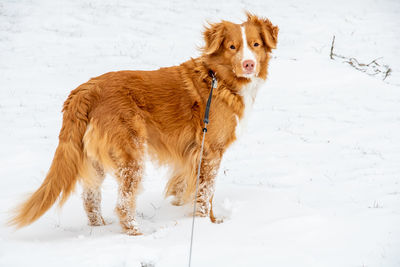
(232, 47)
(256, 44)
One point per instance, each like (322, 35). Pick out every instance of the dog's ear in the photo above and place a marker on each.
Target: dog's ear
(214, 35)
(269, 32)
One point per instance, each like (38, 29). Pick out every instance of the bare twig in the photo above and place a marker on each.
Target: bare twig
(388, 72)
(373, 68)
(333, 44)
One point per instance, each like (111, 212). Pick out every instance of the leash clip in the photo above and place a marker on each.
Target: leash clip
(214, 82)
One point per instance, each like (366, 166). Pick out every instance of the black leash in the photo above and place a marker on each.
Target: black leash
(214, 84)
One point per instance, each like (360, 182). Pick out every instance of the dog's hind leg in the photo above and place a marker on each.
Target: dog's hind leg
(129, 176)
(128, 161)
(119, 141)
(92, 194)
(176, 187)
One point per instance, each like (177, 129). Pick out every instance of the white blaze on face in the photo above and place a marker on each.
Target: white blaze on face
(247, 54)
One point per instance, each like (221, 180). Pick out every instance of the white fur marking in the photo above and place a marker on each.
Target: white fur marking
(248, 93)
(87, 132)
(247, 53)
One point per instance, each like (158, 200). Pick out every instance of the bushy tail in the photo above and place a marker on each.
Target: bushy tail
(67, 161)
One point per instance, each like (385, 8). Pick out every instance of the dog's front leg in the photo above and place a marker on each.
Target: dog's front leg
(208, 173)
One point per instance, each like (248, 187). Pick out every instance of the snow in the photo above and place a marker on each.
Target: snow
(314, 181)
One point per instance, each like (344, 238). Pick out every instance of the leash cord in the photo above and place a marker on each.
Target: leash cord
(195, 198)
(206, 120)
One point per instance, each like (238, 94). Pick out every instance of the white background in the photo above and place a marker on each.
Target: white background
(315, 180)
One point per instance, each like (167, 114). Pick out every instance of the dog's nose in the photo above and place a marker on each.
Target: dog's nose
(248, 66)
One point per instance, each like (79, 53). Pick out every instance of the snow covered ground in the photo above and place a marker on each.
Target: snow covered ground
(315, 181)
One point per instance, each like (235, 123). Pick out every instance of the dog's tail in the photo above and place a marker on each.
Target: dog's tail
(67, 162)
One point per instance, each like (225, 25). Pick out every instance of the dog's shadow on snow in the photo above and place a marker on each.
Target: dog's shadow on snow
(155, 216)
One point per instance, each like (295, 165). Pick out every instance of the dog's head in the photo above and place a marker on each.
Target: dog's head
(241, 49)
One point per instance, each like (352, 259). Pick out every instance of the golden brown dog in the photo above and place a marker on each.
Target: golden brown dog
(112, 121)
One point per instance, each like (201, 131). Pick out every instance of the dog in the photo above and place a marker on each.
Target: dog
(111, 122)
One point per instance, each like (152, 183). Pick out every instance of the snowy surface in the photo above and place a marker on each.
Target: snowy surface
(315, 181)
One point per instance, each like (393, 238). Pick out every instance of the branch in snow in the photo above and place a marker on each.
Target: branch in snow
(333, 44)
(373, 68)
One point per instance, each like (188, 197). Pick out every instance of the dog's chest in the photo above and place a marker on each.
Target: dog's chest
(248, 93)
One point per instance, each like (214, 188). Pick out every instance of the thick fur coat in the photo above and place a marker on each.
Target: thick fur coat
(112, 121)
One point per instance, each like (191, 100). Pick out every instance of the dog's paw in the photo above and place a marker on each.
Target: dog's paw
(177, 202)
(216, 220)
(130, 227)
(133, 232)
(201, 214)
(96, 221)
